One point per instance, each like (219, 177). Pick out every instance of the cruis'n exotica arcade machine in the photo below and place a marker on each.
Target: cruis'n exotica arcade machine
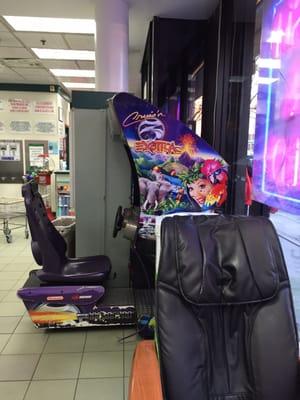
(173, 171)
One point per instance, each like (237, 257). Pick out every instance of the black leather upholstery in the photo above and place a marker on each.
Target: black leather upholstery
(49, 248)
(225, 320)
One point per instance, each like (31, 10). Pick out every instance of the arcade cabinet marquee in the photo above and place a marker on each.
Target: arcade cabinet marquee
(176, 170)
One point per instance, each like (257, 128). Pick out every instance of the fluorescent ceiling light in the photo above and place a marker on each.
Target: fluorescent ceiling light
(269, 63)
(61, 54)
(276, 36)
(79, 85)
(266, 81)
(83, 73)
(45, 24)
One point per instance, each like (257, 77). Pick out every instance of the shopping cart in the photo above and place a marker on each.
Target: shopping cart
(13, 215)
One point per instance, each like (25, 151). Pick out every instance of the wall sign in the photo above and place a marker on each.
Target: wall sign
(20, 126)
(2, 105)
(35, 159)
(19, 105)
(53, 147)
(45, 127)
(43, 107)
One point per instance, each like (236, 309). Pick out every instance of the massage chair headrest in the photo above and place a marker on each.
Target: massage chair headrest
(221, 259)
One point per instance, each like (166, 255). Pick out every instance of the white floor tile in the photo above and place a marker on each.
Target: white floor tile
(58, 366)
(7, 284)
(15, 309)
(102, 365)
(65, 342)
(17, 367)
(3, 340)
(13, 390)
(8, 324)
(105, 388)
(52, 389)
(25, 343)
(104, 340)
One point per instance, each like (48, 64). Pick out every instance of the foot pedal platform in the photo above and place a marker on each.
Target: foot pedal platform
(75, 306)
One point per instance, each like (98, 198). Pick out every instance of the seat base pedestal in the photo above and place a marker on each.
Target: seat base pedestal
(72, 306)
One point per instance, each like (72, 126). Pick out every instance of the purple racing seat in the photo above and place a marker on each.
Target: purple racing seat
(49, 248)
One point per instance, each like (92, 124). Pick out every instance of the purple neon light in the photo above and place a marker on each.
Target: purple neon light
(276, 166)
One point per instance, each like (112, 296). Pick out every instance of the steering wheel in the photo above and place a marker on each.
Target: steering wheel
(119, 219)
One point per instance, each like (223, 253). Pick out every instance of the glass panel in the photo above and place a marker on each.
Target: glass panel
(276, 161)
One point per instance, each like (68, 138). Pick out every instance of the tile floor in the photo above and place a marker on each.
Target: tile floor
(61, 365)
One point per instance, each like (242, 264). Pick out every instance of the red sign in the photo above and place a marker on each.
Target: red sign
(19, 105)
(44, 107)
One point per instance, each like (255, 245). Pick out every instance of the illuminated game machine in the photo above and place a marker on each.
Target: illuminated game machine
(173, 171)
(276, 166)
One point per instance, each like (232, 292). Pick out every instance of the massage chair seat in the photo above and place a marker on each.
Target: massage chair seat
(225, 319)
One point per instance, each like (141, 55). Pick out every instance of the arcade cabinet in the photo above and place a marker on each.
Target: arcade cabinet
(174, 171)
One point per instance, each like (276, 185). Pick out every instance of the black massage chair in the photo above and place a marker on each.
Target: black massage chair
(226, 327)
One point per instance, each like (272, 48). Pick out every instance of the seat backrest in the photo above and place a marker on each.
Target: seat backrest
(48, 246)
(225, 320)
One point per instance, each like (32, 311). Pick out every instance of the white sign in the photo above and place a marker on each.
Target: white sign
(45, 127)
(20, 126)
(61, 129)
(35, 152)
(2, 105)
(10, 151)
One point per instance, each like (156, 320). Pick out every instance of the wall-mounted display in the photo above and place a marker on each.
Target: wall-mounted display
(11, 161)
(276, 167)
(19, 105)
(20, 126)
(10, 150)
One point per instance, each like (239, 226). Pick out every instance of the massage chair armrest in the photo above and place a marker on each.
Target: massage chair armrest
(145, 381)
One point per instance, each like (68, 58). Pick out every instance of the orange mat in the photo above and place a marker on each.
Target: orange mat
(145, 381)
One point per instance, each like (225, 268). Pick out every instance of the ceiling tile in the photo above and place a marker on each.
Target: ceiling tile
(23, 63)
(34, 39)
(81, 42)
(10, 76)
(14, 52)
(86, 64)
(36, 72)
(78, 79)
(42, 81)
(8, 40)
(59, 64)
(3, 27)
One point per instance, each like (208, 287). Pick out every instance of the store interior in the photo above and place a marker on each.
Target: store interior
(149, 199)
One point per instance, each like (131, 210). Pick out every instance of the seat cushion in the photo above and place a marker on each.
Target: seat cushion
(84, 270)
